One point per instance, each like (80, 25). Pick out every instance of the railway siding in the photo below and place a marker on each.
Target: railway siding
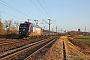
(6, 45)
(23, 52)
(14, 50)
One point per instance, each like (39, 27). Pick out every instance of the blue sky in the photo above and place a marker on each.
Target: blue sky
(66, 14)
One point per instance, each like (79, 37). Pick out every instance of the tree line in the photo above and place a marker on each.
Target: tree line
(8, 27)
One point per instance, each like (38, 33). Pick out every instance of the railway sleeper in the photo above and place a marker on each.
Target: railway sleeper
(19, 53)
(11, 46)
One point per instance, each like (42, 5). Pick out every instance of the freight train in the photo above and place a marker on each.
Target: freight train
(27, 29)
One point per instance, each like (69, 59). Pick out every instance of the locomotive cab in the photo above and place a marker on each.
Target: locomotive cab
(23, 29)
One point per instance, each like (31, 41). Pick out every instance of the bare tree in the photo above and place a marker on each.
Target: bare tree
(14, 30)
(16, 24)
(7, 25)
(1, 27)
(73, 33)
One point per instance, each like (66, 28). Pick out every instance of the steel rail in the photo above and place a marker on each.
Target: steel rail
(23, 50)
(17, 43)
(31, 55)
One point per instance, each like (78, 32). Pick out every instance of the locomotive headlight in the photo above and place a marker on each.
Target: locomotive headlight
(23, 29)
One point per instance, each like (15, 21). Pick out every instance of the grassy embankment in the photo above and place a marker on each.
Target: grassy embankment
(84, 39)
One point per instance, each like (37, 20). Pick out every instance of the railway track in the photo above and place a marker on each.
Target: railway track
(26, 50)
(8, 41)
(30, 57)
(12, 44)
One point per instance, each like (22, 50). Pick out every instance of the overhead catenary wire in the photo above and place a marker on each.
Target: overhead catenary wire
(45, 11)
(49, 11)
(36, 6)
(43, 8)
(11, 7)
(11, 15)
(47, 7)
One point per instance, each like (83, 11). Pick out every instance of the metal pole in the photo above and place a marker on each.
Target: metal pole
(49, 24)
(61, 30)
(56, 28)
(28, 20)
(36, 22)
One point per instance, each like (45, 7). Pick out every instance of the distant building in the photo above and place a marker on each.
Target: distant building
(78, 33)
(85, 33)
(79, 30)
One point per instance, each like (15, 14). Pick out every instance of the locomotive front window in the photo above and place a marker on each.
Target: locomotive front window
(24, 26)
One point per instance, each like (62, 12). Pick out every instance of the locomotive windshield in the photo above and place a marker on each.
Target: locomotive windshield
(23, 26)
